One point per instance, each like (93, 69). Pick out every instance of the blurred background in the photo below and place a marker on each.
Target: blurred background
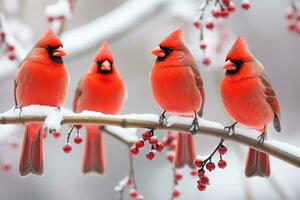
(263, 26)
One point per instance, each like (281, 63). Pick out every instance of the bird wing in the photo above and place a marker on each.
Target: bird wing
(77, 96)
(271, 99)
(200, 86)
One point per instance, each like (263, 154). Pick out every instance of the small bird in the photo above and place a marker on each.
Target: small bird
(42, 79)
(249, 98)
(102, 90)
(178, 89)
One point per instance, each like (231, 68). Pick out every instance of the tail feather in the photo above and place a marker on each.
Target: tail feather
(94, 155)
(31, 160)
(258, 164)
(185, 150)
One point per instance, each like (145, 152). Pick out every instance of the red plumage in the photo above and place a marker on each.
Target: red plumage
(177, 88)
(102, 90)
(41, 79)
(249, 98)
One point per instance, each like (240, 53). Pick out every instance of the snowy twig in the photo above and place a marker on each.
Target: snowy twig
(247, 137)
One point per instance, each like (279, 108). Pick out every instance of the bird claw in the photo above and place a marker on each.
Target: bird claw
(17, 107)
(195, 126)
(261, 138)
(58, 109)
(163, 119)
(230, 128)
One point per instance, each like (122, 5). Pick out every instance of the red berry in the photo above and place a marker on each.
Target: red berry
(201, 173)
(78, 126)
(129, 182)
(10, 47)
(222, 149)
(139, 144)
(289, 14)
(226, 2)
(146, 135)
(204, 180)
(159, 147)
(172, 147)
(175, 193)
(78, 139)
(210, 25)
(170, 157)
(50, 19)
(292, 27)
(12, 56)
(202, 45)
(198, 163)
(178, 176)
(197, 24)
(245, 4)
(56, 134)
(224, 13)
(222, 164)
(193, 173)
(201, 187)
(210, 166)
(153, 141)
(6, 166)
(134, 151)
(216, 12)
(67, 148)
(231, 7)
(150, 155)
(206, 61)
(133, 193)
(61, 17)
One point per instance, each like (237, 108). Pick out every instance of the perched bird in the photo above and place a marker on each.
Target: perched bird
(41, 79)
(178, 89)
(249, 98)
(102, 90)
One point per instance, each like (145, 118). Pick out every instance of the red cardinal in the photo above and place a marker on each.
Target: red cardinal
(41, 79)
(178, 88)
(102, 90)
(250, 99)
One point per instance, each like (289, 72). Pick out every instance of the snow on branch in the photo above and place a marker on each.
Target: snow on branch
(280, 150)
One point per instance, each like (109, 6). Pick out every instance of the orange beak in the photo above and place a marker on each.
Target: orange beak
(228, 65)
(158, 52)
(105, 66)
(59, 52)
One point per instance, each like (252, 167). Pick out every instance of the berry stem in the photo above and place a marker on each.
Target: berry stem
(69, 134)
(131, 171)
(212, 154)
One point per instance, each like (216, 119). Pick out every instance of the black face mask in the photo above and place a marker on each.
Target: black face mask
(238, 64)
(51, 51)
(167, 51)
(100, 71)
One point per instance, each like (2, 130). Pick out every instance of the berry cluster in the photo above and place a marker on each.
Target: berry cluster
(219, 9)
(209, 165)
(128, 183)
(77, 139)
(7, 47)
(292, 17)
(149, 137)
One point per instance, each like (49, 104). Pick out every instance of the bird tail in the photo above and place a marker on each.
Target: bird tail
(185, 153)
(94, 155)
(31, 160)
(258, 164)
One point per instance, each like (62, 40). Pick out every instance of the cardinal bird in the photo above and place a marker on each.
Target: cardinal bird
(178, 89)
(41, 79)
(102, 90)
(249, 98)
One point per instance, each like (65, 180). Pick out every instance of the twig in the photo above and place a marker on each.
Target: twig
(277, 149)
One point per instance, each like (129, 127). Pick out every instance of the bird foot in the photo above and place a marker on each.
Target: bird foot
(163, 118)
(195, 125)
(261, 139)
(230, 128)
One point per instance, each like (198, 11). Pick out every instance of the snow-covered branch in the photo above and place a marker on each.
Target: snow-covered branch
(53, 118)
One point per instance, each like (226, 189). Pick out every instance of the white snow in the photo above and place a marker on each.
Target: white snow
(53, 121)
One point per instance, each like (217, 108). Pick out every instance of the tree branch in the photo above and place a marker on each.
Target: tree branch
(280, 150)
